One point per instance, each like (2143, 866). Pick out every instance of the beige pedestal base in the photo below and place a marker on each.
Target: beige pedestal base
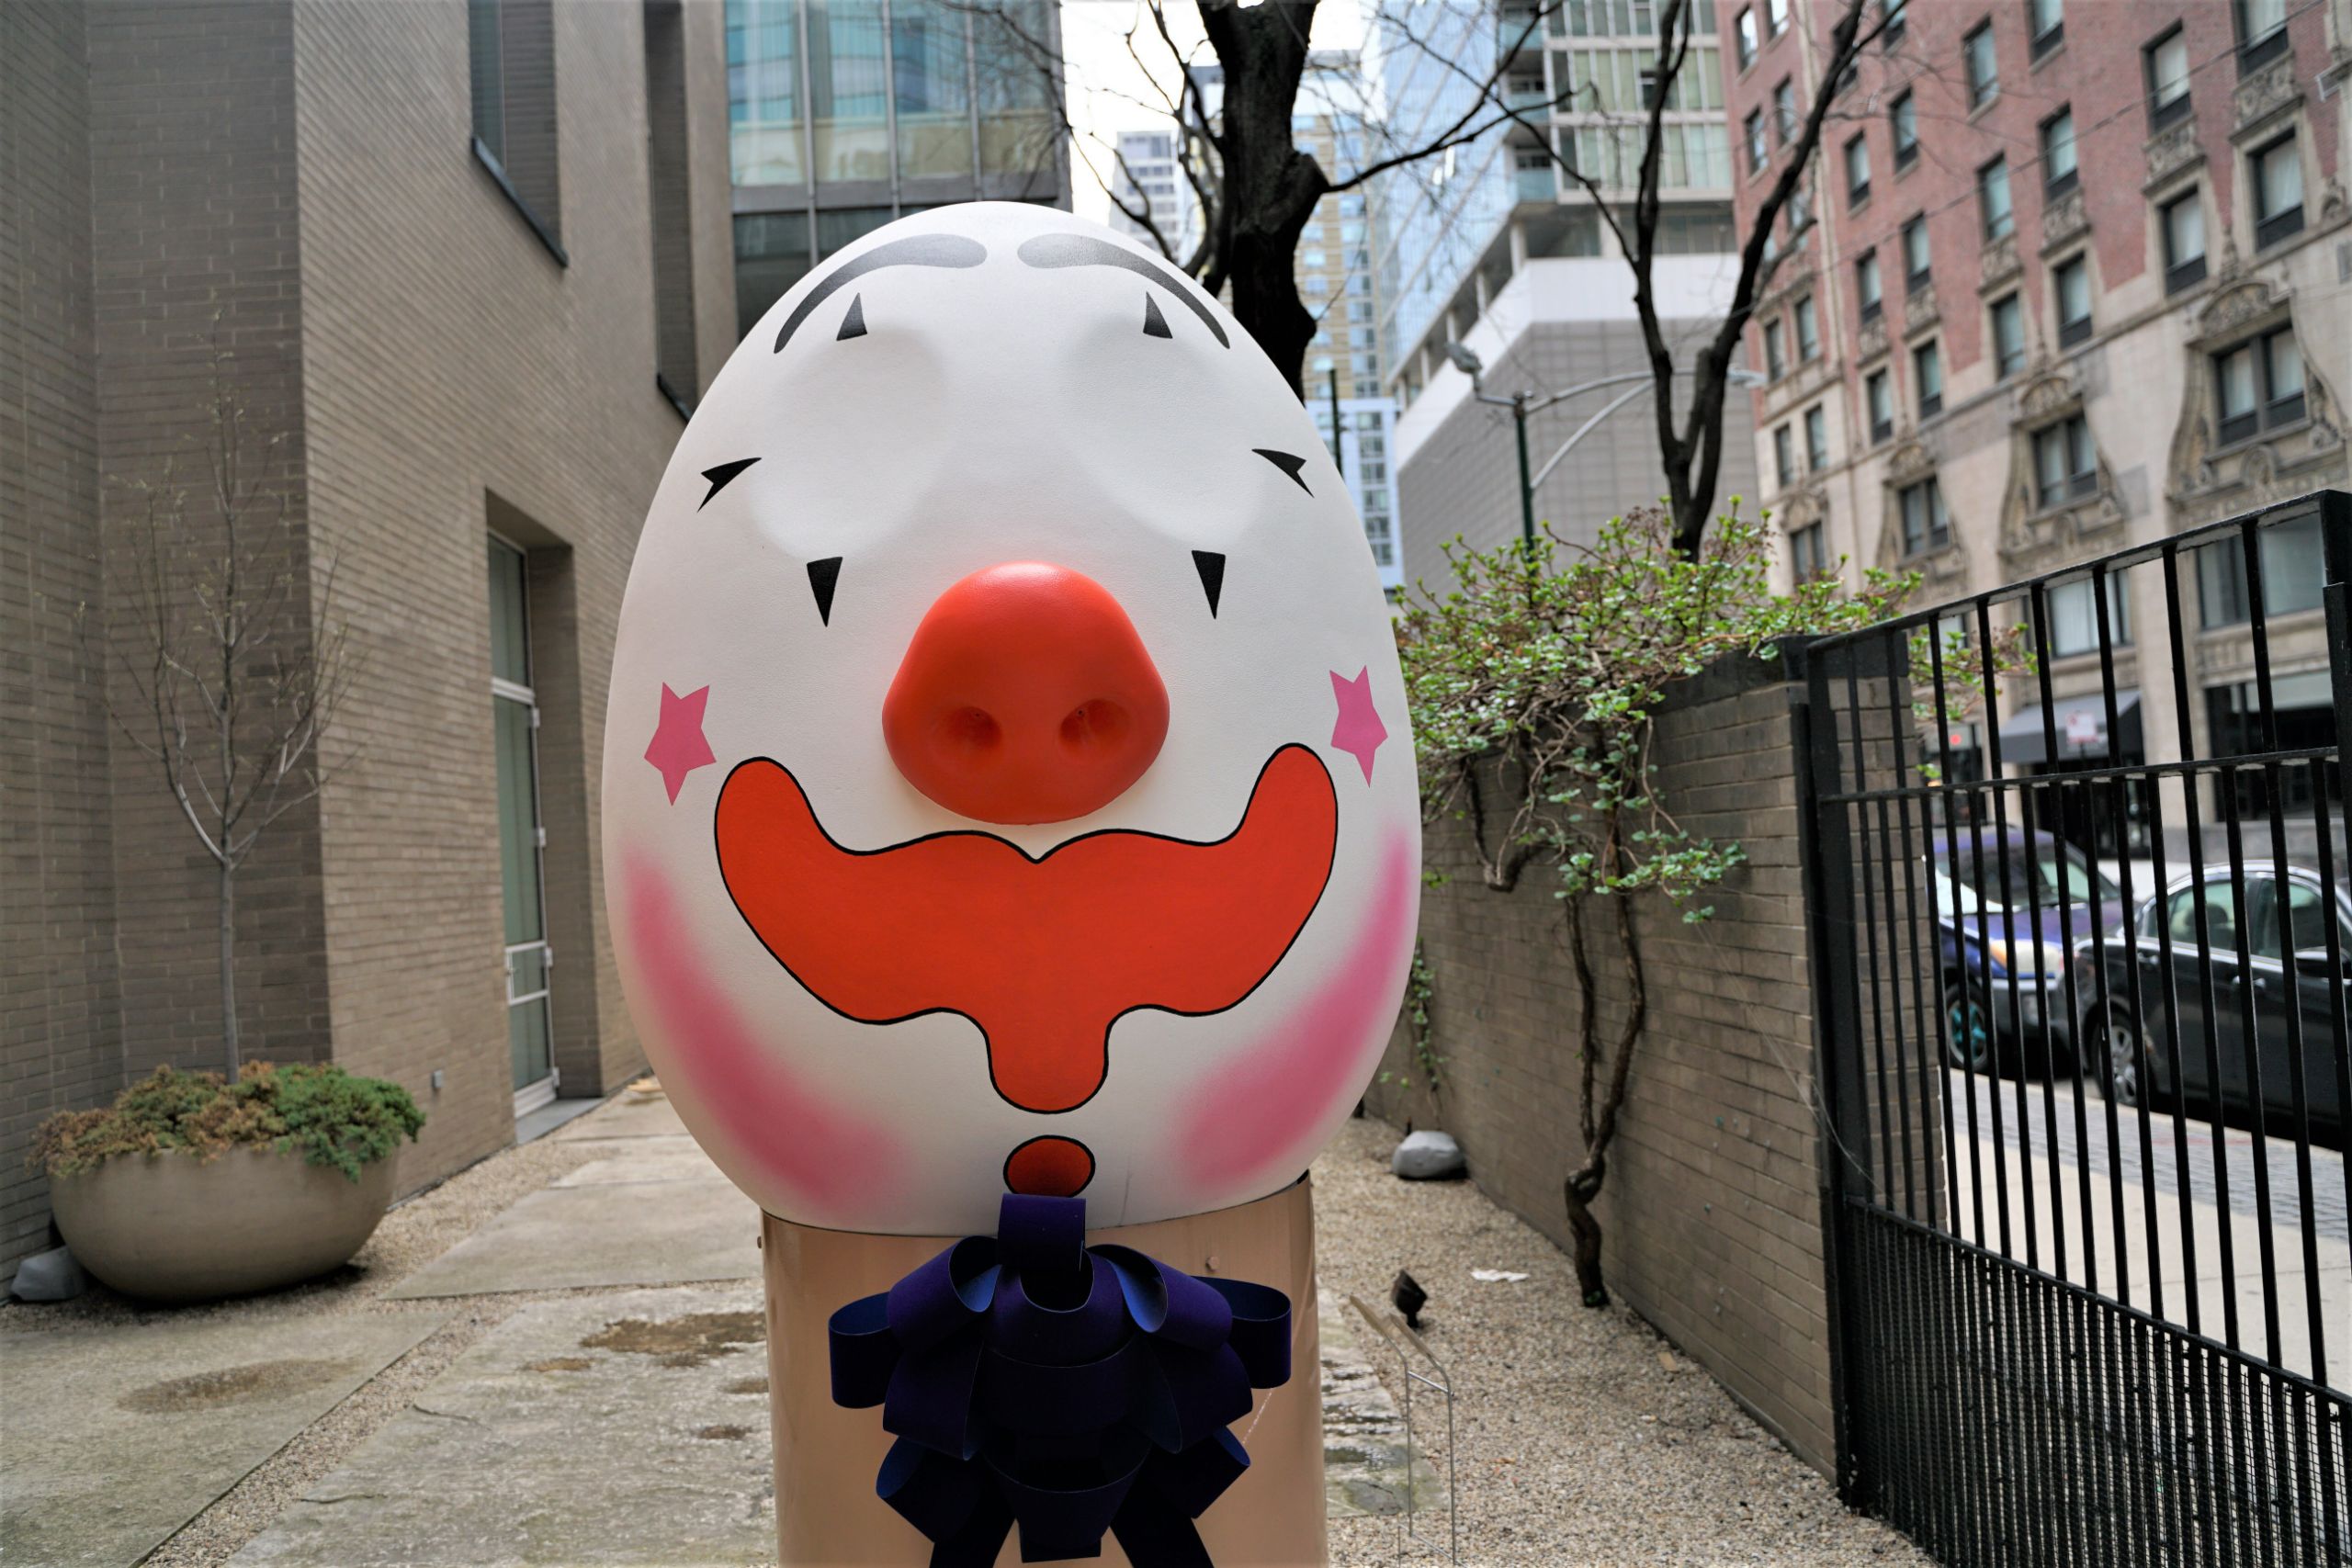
(827, 1514)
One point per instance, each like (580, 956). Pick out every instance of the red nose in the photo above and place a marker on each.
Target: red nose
(1025, 696)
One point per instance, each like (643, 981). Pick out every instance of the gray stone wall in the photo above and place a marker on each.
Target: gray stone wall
(1711, 1213)
(1464, 479)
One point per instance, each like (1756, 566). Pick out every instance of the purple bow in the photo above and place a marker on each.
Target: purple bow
(1070, 1390)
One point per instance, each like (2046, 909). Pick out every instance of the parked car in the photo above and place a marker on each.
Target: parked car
(2005, 910)
(2282, 914)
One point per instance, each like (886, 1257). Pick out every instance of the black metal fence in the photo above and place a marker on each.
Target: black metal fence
(2077, 868)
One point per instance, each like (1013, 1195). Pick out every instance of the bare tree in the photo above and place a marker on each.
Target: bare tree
(232, 665)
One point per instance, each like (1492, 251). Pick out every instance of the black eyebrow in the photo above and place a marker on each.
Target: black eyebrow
(1085, 250)
(915, 250)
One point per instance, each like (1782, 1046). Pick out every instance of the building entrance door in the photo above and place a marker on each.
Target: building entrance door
(520, 838)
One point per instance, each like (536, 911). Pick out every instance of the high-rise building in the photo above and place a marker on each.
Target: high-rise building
(2076, 280)
(1149, 175)
(1488, 245)
(849, 113)
(459, 285)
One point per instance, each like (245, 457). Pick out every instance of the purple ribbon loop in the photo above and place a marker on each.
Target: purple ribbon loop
(1066, 1391)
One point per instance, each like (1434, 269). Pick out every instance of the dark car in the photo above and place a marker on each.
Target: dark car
(2005, 907)
(2297, 935)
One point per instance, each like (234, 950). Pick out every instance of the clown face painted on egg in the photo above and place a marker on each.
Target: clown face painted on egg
(1006, 775)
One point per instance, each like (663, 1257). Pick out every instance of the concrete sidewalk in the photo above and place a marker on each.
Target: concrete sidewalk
(558, 1356)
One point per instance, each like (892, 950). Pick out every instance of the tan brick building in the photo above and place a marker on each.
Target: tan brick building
(2080, 279)
(464, 266)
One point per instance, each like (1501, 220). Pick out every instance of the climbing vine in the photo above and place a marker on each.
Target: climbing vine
(1535, 687)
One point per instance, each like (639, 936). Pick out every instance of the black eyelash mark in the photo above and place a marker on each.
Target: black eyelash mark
(1154, 323)
(721, 475)
(823, 575)
(1211, 566)
(1286, 463)
(853, 324)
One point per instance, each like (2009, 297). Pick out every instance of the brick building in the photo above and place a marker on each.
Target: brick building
(2081, 278)
(464, 269)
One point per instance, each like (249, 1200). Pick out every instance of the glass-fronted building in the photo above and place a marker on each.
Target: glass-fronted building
(845, 113)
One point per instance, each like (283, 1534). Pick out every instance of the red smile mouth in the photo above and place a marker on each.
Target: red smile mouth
(1043, 956)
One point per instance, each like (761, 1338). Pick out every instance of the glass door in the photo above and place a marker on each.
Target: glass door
(521, 839)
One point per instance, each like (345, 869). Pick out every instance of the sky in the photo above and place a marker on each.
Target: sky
(1110, 91)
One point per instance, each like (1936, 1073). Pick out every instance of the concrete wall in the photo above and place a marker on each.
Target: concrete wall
(1712, 1214)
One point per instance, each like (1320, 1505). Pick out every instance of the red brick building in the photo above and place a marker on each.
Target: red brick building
(2080, 276)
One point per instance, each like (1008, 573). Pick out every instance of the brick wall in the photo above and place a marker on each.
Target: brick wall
(59, 1030)
(198, 298)
(1711, 1213)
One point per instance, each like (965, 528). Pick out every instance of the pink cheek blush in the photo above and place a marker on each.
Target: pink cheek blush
(826, 1157)
(1258, 1111)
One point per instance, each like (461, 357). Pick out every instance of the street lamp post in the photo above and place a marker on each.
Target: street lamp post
(1522, 404)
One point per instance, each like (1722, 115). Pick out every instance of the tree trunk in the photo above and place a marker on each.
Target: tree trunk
(229, 967)
(1270, 187)
(1579, 1191)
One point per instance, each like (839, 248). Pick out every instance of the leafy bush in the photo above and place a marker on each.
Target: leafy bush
(322, 1111)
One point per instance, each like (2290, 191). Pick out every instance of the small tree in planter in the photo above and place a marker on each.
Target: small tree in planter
(1534, 689)
(192, 1186)
(225, 683)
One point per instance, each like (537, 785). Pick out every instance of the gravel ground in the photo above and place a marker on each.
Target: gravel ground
(1584, 1438)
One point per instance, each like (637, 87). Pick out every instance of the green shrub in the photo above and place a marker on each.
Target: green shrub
(323, 1112)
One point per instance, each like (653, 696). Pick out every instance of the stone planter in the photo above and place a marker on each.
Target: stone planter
(169, 1227)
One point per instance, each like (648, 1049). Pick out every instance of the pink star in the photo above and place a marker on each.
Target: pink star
(678, 745)
(1358, 729)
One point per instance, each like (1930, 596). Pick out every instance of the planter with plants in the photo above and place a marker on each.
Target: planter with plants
(192, 1188)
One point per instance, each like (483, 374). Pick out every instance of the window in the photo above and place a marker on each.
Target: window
(1866, 285)
(2070, 281)
(1914, 254)
(2074, 617)
(2009, 335)
(1984, 70)
(2258, 385)
(2182, 223)
(1775, 356)
(2292, 571)
(2277, 180)
(1784, 111)
(1753, 128)
(2045, 23)
(2168, 70)
(1799, 212)
(1893, 11)
(1808, 330)
(1805, 561)
(2064, 468)
(1993, 199)
(1747, 38)
(675, 369)
(1784, 456)
(1776, 17)
(1878, 390)
(1928, 376)
(1816, 438)
(2262, 31)
(1926, 524)
(1905, 117)
(2058, 173)
(509, 47)
(1858, 170)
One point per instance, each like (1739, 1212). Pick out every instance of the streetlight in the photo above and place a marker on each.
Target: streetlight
(1521, 404)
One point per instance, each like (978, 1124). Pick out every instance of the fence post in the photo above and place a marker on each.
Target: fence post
(1841, 1111)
